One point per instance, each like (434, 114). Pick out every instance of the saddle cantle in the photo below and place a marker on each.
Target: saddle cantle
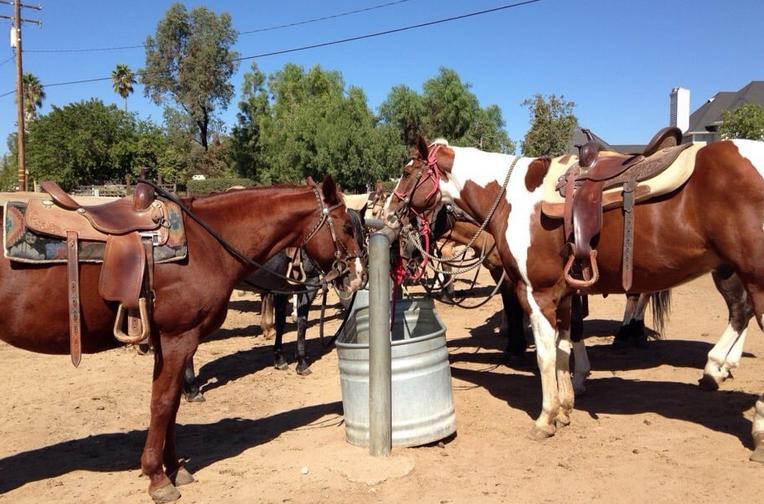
(130, 228)
(603, 180)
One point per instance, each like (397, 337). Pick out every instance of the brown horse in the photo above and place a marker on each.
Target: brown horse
(191, 296)
(711, 222)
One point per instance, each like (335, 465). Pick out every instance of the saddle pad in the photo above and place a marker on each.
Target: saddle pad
(667, 181)
(21, 244)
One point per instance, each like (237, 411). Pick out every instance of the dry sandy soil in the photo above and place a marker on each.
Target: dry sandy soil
(644, 431)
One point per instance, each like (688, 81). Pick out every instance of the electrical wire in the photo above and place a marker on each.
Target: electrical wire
(388, 32)
(246, 32)
(336, 42)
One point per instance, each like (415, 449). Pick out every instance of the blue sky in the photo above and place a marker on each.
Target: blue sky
(616, 59)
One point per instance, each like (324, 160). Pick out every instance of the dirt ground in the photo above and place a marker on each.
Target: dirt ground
(643, 432)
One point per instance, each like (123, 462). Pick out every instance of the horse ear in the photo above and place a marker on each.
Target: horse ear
(421, 146)
(309, 181)
(331, 197)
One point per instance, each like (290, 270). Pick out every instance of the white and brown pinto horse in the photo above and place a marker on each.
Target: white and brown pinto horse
(714, 222)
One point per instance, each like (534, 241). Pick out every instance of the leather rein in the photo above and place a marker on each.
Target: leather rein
(339, 268)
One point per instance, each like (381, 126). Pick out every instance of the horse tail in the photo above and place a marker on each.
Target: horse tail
(660, 304)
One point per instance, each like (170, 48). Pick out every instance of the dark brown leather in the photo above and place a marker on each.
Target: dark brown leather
(583, 186)
(124, 264)
(73, 296)
(670, 136)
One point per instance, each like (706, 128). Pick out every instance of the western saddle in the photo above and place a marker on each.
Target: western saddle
(582, 186)
(130, 228)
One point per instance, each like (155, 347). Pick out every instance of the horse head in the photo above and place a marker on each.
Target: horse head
(336, 232)
(417, 193)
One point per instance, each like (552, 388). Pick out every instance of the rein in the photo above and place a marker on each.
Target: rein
(328, 278)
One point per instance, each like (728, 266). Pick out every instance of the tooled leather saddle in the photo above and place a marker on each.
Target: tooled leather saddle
(130, 228)
(582, 186)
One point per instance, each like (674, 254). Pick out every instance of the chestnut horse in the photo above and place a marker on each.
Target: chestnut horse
(711, 223)
(191, 296)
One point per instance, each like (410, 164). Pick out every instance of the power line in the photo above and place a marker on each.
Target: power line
(388, 32)
(335, 42)
(324, 18)
(6, 60)
(247, 32)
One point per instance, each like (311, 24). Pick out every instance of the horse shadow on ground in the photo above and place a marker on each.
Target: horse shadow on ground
(202, 444)
(606, 357)
(720, 411)
(218, 372)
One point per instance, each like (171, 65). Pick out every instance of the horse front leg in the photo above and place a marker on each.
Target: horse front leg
(303, 308)
(170, 358)
(582, 367)
(543, 322)
(728, 351)
(564, 384)
(279, 303)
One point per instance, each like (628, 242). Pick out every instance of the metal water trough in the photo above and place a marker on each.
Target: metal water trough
(422, 402)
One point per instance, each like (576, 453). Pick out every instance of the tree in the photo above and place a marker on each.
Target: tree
(248, 148)
(190, 62)
(448, 109)
(88, 142)
(404, 109)
(308, 124)
(122, 80)
(746, 121)
(552, 126)
(34, 94)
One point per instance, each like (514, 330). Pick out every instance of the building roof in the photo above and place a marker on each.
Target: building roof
(709, 116)
(578, 138)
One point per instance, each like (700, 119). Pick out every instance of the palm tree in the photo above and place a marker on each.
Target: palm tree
(122, 79)
(34, 94)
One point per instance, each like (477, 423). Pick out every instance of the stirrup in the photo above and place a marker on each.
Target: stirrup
(145, 327)
(585, 283)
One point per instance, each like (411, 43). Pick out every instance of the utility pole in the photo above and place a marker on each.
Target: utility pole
(16, 43)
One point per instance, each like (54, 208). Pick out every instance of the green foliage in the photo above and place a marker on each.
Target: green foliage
(307, 124)
(190, 61)
(202, 187)
(34, 94)
(90, 143)
(746, 121)
(552, 126)
(122, 80)
(446, 109)
(8, 175)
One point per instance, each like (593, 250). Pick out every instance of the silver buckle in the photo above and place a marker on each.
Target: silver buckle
(154, 235)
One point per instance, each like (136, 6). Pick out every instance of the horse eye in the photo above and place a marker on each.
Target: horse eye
(348, 228)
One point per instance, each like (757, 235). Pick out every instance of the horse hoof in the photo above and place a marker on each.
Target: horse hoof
(562, 421)
(539, 434)
(165, 493)
(708, 383)
(182, 477)
(281, 366)
(758, 455)
(303, 371)
(195, 397)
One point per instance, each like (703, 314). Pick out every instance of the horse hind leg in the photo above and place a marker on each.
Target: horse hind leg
(758, 431)
(728, 351)
(582, 366)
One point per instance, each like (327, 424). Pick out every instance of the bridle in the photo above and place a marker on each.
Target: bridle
(341, 254)
(339, 266)
(428, 172)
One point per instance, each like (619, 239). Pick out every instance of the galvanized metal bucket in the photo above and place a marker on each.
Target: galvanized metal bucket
(422, 402)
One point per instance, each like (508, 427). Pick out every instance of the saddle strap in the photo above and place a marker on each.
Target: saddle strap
(628, 233)
(73, 294)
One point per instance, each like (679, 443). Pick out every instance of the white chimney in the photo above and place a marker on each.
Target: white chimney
(679, 108)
